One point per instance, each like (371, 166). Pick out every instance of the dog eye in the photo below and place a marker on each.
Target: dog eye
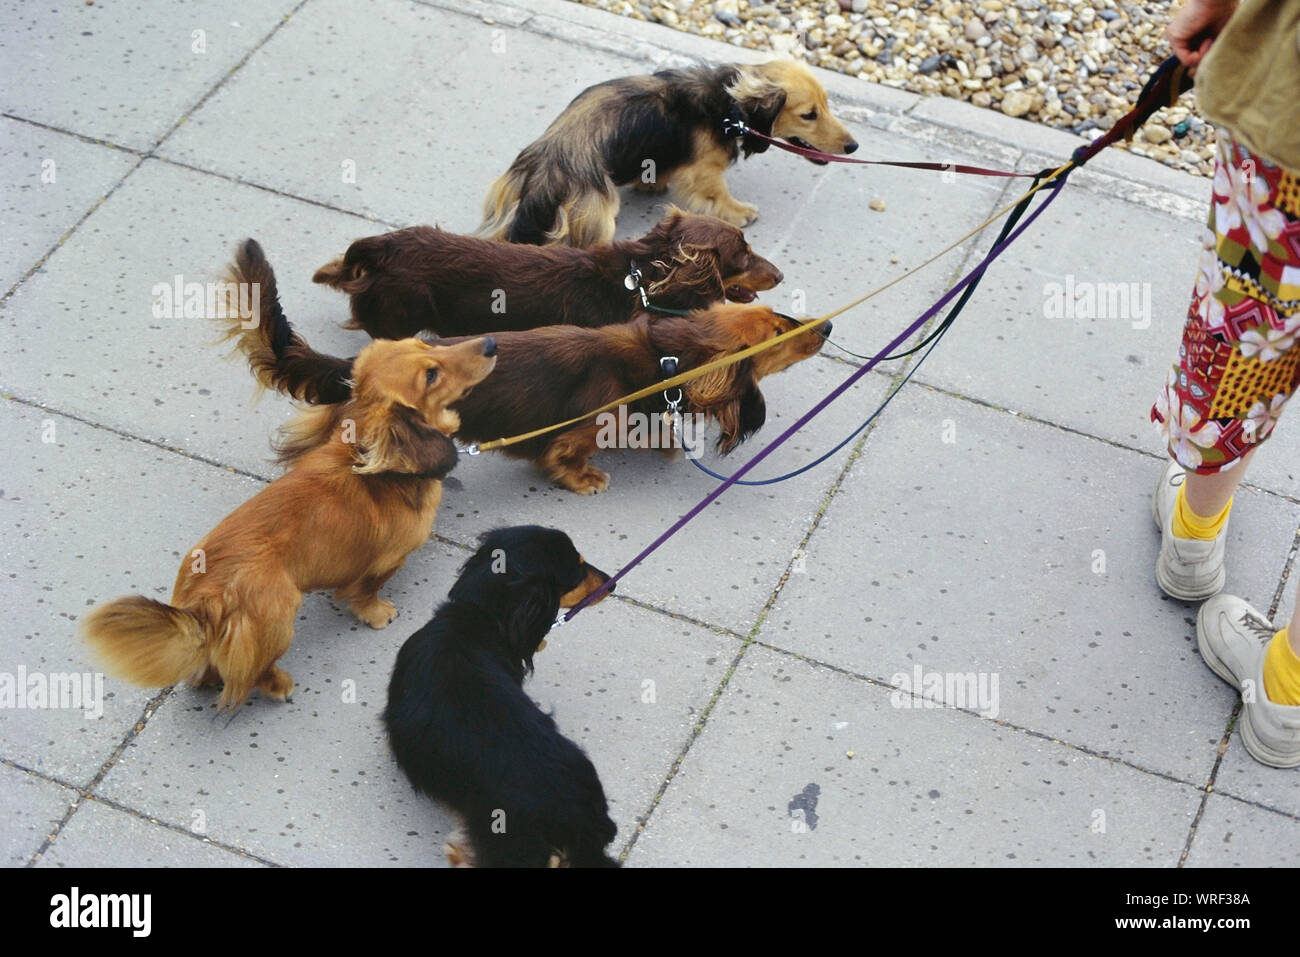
(810, 115)
(431, 376)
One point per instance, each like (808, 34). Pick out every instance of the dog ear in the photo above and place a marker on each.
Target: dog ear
(531, 606)
(760, 114)
(692, 273)
(731, 397)
(661, 235)
(740, 419)
(395, 439)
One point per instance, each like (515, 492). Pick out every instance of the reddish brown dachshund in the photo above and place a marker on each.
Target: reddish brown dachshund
(424, 279)
(555, 373)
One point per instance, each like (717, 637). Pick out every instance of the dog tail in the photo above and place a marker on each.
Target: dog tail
(278, 356)
(148, 642)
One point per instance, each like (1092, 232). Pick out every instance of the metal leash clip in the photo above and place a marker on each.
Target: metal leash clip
(470, 450)
(633, 281)
(734, 126)
(668, 369)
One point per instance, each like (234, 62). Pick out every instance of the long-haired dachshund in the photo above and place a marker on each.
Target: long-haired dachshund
(556, 373)
(466, 733)
(359, 495)
(655, 132)
(422, 278)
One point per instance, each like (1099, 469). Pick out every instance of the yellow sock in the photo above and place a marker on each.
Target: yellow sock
(1282, 671)
(1187, 524)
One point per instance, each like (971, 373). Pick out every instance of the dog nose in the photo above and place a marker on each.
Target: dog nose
(827, 328)
(489, 346)
(780, 277)
(851, 146)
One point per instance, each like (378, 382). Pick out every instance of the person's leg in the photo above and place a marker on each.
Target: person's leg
(1208, 495)
(1237, 366)
(1282, 662)
(1263, 663)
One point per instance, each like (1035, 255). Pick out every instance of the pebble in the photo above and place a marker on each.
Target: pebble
(1017, 103)
(1156, 133)
(878, 205)
(1070, 64)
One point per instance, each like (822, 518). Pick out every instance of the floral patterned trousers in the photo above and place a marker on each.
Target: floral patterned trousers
(1239, 360)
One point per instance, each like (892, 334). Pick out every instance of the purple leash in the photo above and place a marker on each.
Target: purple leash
(839, 390)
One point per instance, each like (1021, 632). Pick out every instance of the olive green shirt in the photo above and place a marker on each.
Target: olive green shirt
(1249, 82)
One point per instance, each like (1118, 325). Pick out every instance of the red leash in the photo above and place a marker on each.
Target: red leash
(1164, 87)
(735, 127)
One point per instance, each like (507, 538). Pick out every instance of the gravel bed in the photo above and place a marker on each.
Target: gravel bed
(1071, 64)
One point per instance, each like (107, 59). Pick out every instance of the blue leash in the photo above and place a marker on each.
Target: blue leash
(932, 340)
(690, 453)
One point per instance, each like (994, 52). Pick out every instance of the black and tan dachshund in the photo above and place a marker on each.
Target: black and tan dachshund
(466, 733)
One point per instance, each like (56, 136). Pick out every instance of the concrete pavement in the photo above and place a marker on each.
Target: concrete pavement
(739, 696)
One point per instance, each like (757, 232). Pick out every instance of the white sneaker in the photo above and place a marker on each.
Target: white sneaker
(1187, 568)
(1233, 637)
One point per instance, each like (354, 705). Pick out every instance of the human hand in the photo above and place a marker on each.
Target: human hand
(1195, 26)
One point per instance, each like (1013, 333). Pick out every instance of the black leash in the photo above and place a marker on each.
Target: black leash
(931, 340)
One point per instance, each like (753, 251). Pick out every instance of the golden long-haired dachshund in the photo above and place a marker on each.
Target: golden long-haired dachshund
(655, 132)
(555, 373)
(359, 495)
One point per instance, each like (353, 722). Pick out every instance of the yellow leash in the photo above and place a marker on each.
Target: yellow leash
(735, 357)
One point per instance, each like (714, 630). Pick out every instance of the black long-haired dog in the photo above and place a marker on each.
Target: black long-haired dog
(655, 132)
(467, 735)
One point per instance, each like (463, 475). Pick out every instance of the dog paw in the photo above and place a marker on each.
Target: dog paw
(458, 855)
(587, 480)
(276, 683)
(738, 214)
(654, 188)
(378, 613)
